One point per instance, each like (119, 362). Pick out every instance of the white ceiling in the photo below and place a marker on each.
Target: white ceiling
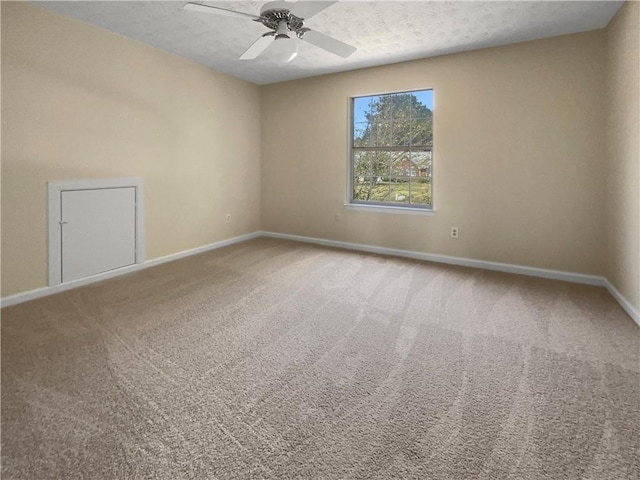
(384, 32)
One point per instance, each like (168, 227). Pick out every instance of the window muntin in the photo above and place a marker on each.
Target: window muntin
(391, 149)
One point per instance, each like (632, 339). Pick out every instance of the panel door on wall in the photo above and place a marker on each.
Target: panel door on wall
(98, 231)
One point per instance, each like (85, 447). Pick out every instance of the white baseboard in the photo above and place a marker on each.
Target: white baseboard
(44, 291)
(624, 303)
(431, 257)
(465, 262)
(469, 262)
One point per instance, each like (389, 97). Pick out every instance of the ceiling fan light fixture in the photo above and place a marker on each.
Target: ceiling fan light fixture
(285, 21)
(284, 48)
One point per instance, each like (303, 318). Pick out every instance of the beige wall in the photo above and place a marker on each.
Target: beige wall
(536, 147)
(623, 140)
(518, 155)
(80, 102)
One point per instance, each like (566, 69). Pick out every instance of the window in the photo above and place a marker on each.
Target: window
(391, 149)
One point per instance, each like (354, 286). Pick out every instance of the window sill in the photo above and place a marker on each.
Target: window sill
(389, 209)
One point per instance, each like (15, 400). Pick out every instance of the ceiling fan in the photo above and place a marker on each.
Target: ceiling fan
(286, 22)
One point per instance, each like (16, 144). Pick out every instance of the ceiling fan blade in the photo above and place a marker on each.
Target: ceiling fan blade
(328, 43)
(308, 8)
(196, 7)
(258, 46)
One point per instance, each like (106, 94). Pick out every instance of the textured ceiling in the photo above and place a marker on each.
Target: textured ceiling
(383, 32)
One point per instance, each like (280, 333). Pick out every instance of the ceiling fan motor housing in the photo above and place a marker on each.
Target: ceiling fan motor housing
(277, 17)
(274, 13)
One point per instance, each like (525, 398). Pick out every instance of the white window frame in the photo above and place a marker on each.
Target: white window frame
(384, 207)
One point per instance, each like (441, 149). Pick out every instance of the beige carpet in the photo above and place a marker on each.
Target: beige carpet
(273, 359)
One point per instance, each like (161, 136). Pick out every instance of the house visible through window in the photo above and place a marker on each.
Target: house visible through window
(391, 149)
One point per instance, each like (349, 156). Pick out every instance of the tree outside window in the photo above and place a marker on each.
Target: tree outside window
(392, 144)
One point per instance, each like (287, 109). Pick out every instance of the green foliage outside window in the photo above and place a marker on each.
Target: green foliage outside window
(392, 149)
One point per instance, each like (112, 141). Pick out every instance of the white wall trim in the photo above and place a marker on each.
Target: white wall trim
(363, 207)
(469, 262)
(431, 257)
(61, 287)
(624, 303)
(465, 262)
(54, 190)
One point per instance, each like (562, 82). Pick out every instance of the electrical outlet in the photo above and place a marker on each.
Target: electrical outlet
(338, 216)
(454, 232)
(227, 218)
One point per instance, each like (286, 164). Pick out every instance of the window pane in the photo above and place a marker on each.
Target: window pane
(380, 134)
(380, 190)
(420, 191)
(362, 163)
(360, 135)
(401, 164)
(401, 135)
(379, 109)
(380, 164)
(400, 190)
(401, 111)
(397, 124)
(362, 186)
(391, 105)
(424, 100)
(421, 163)
(402, 119)
(361, 109)
(422, 132)
(372, 189)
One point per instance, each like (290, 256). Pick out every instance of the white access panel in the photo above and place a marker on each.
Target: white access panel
(98, 231)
